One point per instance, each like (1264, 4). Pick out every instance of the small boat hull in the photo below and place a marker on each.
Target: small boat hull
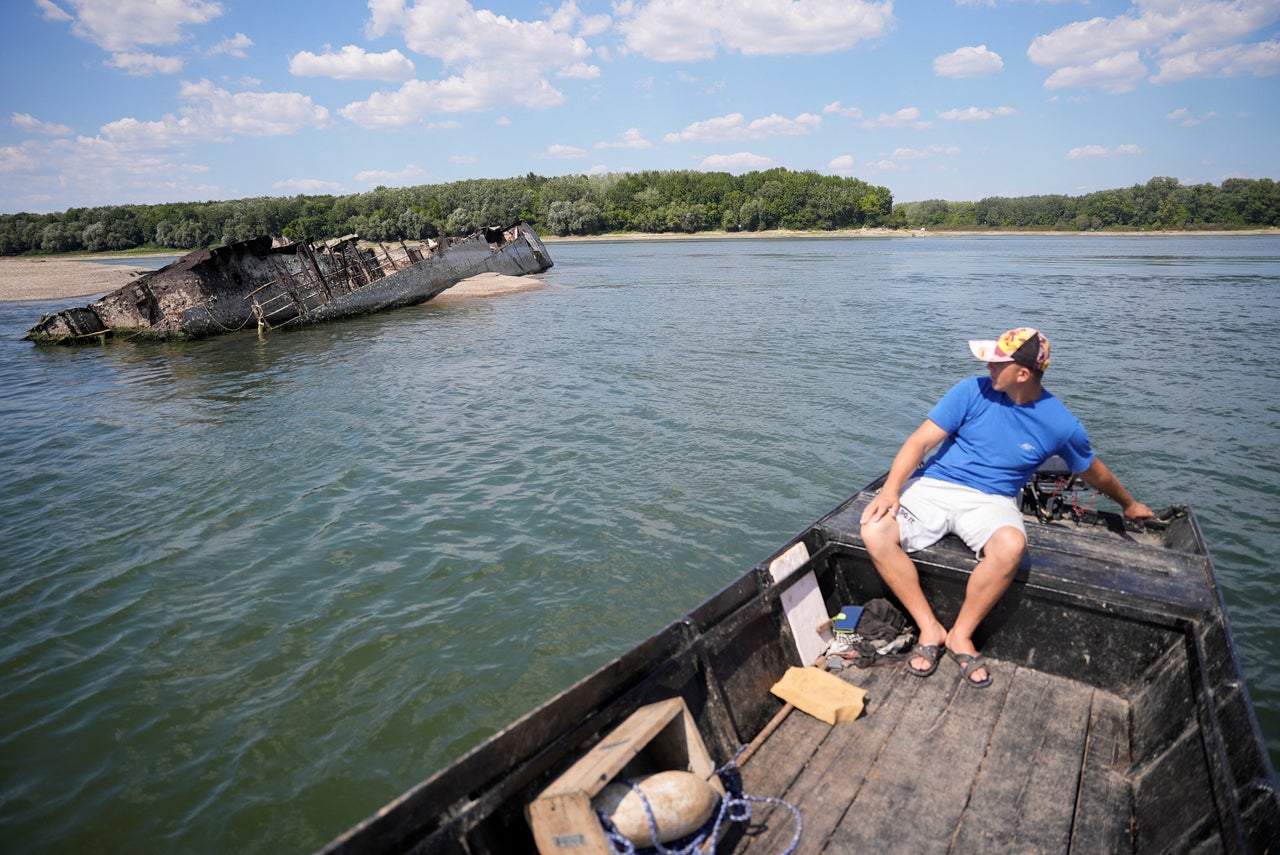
(1118, 719)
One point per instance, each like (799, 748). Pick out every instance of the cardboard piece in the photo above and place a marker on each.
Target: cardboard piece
(821, 694)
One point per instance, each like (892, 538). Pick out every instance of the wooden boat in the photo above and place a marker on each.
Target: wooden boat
(1118, 720)
(270, 283)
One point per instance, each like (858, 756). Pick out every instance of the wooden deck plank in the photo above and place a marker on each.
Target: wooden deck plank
(1024, 796)
(1104, 809)
(780, 760)
(1035, 763)
(916, 792)
(829, 780)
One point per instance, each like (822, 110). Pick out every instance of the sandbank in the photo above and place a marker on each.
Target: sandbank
(488, 285)
(60, 278)
(45, 279)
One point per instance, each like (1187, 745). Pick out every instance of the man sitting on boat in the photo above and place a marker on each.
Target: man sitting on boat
(994, 433)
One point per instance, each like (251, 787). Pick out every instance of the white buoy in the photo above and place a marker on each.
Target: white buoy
(681, 802)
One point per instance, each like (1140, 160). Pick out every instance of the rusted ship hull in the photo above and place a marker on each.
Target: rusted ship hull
(267, 284)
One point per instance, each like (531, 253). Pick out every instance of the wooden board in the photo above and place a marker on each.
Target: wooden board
(663, 735)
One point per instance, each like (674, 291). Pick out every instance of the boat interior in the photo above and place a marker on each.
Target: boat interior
(1117, 719)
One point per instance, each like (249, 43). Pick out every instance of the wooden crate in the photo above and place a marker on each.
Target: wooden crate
(653, 739)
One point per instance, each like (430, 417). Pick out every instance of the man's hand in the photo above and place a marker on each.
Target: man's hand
(885, 503)
(1099, 477)
(1138, 511)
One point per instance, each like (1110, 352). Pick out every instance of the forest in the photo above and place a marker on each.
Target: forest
(680, 201)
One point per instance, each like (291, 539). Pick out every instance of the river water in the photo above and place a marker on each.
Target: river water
(250, 590)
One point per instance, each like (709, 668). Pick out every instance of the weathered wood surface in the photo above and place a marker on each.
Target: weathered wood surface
(934, 765)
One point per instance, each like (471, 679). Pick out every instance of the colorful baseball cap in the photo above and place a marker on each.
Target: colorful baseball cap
(1025, 346)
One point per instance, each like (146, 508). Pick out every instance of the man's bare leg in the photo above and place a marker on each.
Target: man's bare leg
(990, 579)
(899, 572)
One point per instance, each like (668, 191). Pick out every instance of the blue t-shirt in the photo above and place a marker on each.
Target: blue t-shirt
(995, 445)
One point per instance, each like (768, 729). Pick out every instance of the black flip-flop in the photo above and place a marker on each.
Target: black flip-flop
(930, 652)
(968, 664)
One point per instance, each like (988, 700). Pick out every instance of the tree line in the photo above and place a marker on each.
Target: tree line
(680, 201)
(1160, 204)
(668, 201)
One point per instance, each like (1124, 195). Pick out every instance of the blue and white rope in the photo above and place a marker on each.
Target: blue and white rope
(735, 807)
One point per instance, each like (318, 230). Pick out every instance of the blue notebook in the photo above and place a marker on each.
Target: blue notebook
(847, 620)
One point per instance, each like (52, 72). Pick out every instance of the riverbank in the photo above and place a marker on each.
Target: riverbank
(887, 233)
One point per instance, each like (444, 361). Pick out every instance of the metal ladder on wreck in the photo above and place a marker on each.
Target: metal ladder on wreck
(292, 295)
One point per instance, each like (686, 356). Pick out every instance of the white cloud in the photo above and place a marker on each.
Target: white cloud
(53, 12)
(967, 62)
(579, 71)
(562, 152)
(742, 161)
(903, 154)
(234, 46)
(30, 124)
(474, 91)
(352, 63)
(18, 158)
(733, 127)
(907, 117)
(210, 113)
(142, 64)
(850, 112)
(458, 34)
(630, 138)
(908, 154)
(311, 186)
(842, 165)
(1115, 74)
(1184, 118)
(567, 17)
(122, 25)
(1256, 60)
(411, 174)
(1098, 152)
(971, 114)
(464, 159)
(107, 171)
(496, 61)
(690, 30)
(1191, 38)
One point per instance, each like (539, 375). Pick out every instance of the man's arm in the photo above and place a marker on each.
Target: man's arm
(908, 459)
(1099, 477)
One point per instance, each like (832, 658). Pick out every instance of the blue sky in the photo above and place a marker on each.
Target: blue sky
(143, 101)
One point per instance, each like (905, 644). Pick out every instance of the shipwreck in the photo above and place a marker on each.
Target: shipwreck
(269, 283)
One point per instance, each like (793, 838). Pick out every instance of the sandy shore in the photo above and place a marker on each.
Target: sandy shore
(60, 278)
(73, 280)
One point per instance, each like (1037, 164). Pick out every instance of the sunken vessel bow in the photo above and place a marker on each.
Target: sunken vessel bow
(269, 282)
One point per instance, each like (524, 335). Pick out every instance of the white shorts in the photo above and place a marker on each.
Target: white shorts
(929, 509)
